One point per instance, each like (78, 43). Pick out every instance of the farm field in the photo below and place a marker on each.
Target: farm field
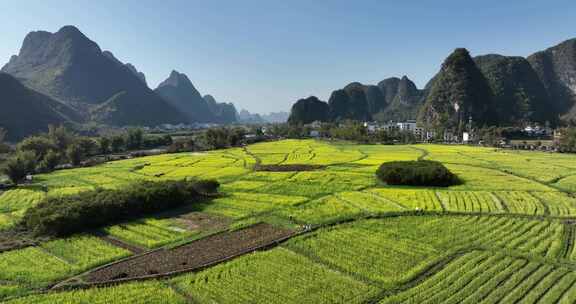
(334, 234)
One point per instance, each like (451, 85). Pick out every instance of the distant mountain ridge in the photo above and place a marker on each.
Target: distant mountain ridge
(179, 91)
(489, 89)
(392, 99)
(72, 69)
(75, 73)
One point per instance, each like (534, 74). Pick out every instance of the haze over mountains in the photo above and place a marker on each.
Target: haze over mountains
(490, 89)
(74, 81)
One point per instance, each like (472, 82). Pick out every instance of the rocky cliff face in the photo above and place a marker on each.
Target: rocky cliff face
(519, 95)
(556, 68)
(403, 99)
(460, 91)
(71, 68)
(308, 110)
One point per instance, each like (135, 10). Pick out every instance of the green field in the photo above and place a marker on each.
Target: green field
(506, 235)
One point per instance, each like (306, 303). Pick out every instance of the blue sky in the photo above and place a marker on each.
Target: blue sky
(264, 55)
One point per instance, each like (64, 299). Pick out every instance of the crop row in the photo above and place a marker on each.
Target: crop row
(393, 249)
(519, 202)
(54, 260)
(481, 277)
(275, 276)
(150, 233)
(19, 199)
(151, 292)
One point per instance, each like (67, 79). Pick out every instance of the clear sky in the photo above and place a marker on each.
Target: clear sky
(264, 55)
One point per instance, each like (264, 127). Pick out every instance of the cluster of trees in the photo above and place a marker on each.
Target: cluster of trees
(216, 138)
(347, 130)
(568, 140)
(59, 146)
(65, 215)
(416, 173)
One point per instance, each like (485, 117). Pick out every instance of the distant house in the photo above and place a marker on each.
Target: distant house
(316, 124)
(371, 127)
(466, 137)
(407, 126)
(314, 133)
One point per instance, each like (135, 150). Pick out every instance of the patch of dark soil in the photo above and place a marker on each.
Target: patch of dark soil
(13, 239)
(289, 168)
(203, 221)
(198, 254)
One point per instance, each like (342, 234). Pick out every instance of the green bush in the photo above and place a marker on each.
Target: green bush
(65, 215)
(19, 165)
(416, 173)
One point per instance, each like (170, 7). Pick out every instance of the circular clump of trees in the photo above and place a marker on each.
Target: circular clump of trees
(416, 173)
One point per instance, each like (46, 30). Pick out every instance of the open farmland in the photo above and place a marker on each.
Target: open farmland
(328, 233)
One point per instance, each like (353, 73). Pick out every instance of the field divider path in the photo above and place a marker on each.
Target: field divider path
(544, 204)
(500, 201)
(568, 240)
(440, 201)
(423, 152)
(120, 243)
(386, 200)
(256, 158)
(62, 259)
(426, 273)
(318, 260)
(189, 298)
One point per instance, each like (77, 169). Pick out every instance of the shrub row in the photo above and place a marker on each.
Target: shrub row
(65, 215)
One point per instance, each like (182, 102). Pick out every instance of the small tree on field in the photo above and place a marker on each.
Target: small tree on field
(104, 145)
(60, 136)
(134, 139)
(117, 143)
(568, 140)
(88, 145)
(74, 154)
(40, 145)
(50, 161)
(20, 165)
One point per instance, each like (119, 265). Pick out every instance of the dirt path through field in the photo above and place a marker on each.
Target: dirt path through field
(118, 243)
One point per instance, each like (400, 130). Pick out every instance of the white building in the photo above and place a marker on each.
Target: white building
(315, 133)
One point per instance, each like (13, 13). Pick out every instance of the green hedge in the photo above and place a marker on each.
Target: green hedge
(60, 216)
(416, 173)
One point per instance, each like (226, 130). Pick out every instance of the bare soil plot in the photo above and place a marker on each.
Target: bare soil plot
(16, 239)
(289, 168)
(198, 254)
(203, 221)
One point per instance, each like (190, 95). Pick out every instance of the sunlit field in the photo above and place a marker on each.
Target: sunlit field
(505, 235)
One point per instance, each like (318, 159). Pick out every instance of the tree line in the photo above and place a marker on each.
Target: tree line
(59, 146)
(347, 130)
